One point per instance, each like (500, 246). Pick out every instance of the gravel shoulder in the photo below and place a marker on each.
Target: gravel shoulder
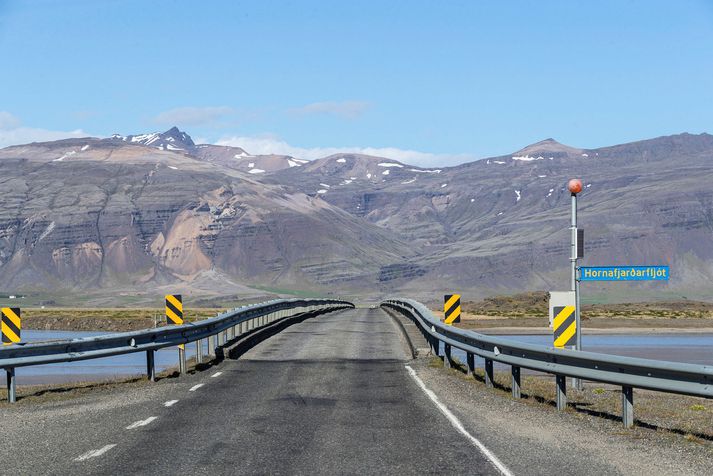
(534, 438)
(673, 433)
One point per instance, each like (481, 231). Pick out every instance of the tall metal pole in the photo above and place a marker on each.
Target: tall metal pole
(575, 187)
(573, 254)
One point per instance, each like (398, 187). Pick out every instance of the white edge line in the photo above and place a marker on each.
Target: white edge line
(94, 453)
(458, 425)
(195, 387)
(217, 374)
(170, 403)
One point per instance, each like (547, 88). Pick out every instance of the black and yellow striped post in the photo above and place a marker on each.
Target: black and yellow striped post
(174, 309)
(11, 325)
(174, 315)
(564, 326)
(451, 308)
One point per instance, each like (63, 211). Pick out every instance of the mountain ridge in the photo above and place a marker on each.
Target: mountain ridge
(88, 214)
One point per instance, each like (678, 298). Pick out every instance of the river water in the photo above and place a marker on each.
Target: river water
(692, 348)
(92, 370)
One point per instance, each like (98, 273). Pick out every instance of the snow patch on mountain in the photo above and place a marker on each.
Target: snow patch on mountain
(527, 158)
(435, 171)
(65, 156)
(47, 231)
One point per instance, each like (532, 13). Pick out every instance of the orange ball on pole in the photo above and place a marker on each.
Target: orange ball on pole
(575, 186)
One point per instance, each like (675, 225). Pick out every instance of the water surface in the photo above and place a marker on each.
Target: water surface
(118, 366)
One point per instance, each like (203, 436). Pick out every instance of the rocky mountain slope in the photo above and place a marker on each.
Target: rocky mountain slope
(145, 211)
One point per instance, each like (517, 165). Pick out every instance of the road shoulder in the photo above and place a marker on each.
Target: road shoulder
(527, 434)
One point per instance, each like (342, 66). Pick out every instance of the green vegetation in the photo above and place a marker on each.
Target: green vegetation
(534, 305)
(109, 319)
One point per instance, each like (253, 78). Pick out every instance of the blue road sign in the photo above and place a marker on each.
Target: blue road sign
(624, 273)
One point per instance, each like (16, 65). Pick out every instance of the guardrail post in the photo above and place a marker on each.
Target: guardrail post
(515, 385)
(561, 392)
(447, 361)
(470, 358)
(489, 373)
(435, 344)
(211, 346)
(150, 366)
(627, 406)
(199, 351)
(182, 359)
(11, 385)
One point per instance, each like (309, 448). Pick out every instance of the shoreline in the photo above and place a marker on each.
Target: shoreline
(592, 331)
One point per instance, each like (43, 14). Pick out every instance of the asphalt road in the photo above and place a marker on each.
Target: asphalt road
(329, 395)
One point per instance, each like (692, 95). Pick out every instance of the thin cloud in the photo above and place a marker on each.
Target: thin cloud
(192, 116)
(12, 132)
(269, 144)
(342, 109)
(25, 135)
(8, 121)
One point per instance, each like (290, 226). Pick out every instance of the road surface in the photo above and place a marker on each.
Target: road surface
(334, 394)
(329, 395)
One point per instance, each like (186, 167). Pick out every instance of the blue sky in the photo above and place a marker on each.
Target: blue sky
(428, 82)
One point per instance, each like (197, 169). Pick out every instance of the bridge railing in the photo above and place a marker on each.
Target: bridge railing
(627, 372)
(215, 331)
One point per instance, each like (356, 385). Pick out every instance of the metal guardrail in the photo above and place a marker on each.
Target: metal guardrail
(628, 372)
(216, 330)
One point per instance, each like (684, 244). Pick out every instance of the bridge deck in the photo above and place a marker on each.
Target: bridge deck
(328, 395)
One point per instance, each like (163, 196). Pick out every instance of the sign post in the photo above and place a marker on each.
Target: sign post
(11, 327)
(451, 308)
(575, 186)
(174, 315)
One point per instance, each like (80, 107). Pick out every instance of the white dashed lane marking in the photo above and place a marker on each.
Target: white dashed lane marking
(94, 453)
(195, 387)
(170, 403)
(217, 374)
(139, 423)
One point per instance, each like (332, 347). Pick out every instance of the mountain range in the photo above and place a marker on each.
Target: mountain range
(143, 214)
